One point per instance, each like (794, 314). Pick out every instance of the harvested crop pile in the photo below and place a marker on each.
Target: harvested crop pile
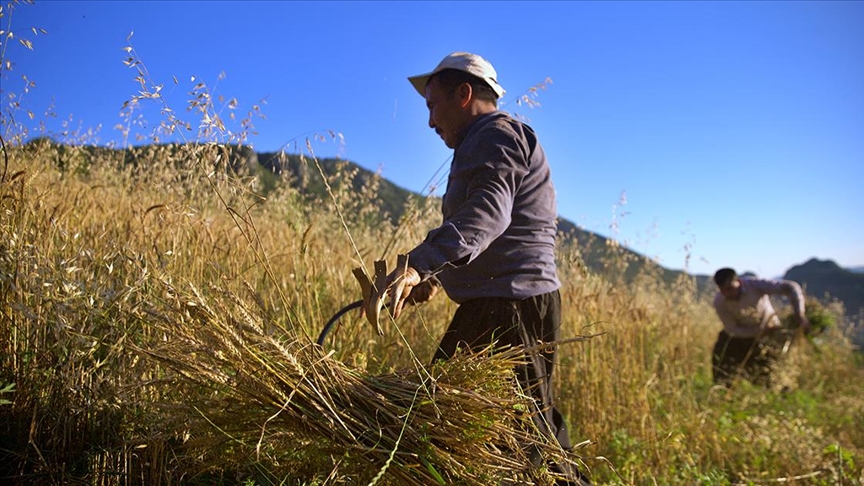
(243, 393)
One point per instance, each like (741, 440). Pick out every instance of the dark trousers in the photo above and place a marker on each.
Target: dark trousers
(480, 322)
(748, 358)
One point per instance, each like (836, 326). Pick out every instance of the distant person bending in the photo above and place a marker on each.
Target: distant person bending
(494, 252)
(743, 304)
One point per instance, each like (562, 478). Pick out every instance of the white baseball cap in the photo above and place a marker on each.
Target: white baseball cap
(463, 61)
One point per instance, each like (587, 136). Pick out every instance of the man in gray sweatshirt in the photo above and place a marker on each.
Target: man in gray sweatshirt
(494, 252)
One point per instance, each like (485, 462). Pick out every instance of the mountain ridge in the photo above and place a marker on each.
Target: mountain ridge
(821, 278)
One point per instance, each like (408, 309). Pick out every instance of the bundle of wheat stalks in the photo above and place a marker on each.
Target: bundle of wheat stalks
(244, 394)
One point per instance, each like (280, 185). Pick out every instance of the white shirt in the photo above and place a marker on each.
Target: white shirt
(752, 312)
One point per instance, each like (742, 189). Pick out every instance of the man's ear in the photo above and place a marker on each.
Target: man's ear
(465, 92)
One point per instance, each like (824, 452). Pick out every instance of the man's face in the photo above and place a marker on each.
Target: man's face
(731, 290)
(446, 114)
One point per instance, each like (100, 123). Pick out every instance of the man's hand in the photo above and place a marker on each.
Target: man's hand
(423, 292)
(401, 284)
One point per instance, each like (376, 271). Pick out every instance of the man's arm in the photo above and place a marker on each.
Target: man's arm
(496, 167)
(792, 291)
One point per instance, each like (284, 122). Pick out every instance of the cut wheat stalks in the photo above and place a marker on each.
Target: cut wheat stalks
(256, 395)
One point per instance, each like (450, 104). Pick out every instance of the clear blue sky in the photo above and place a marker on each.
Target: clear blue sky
(734, 129)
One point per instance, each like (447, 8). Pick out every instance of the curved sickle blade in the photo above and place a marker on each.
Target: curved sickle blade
(373, 301)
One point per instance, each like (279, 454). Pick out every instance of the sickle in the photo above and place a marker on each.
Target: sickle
(329, 326)
(336, 316)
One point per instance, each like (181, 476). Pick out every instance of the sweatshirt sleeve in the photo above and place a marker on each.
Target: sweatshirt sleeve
(788, 288)
(486, 178)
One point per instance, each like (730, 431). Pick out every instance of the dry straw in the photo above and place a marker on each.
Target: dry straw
(252, 394)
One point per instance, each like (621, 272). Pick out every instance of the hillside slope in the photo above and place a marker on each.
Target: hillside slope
(821, 277)
(392, 199)
(302, 173)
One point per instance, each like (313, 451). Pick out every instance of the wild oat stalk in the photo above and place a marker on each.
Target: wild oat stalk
(253, 395)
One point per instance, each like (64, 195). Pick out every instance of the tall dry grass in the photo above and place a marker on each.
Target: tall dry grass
(141, 321)
(158, 313)
(136, 298)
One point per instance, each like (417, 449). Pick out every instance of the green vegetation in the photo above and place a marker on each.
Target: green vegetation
(159, 303)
